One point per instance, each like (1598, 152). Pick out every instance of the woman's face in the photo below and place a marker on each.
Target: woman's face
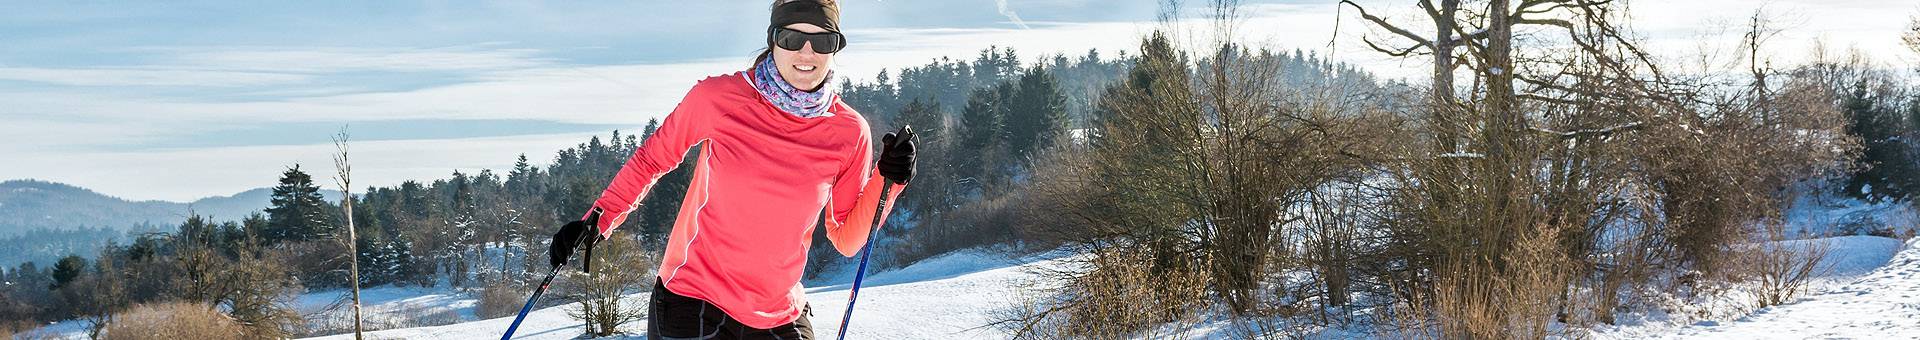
(805, 69)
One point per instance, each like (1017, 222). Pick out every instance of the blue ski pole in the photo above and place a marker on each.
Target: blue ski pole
(529, 306)
(888, 192)
(544, 283)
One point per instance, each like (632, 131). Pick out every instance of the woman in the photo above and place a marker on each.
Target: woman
(779, 148)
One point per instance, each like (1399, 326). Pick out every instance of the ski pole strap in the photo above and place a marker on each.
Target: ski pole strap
(589, 240)
(586, 264)
(886, 207)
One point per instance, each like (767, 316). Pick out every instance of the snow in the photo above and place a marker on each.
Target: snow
(1868, 292)
(1822, 214)
(948, 296)
(75, 329)
(1869, 288)
(1883, 304)
(387, 307)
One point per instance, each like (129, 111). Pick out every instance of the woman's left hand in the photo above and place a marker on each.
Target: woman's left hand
(896, 155)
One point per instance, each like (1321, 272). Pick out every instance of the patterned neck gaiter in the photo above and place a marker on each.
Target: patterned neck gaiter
(767, 80)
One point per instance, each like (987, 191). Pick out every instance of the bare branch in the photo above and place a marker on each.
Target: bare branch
(1396, 53)
(1549, 22)
(1388, 26)
(1583, 133)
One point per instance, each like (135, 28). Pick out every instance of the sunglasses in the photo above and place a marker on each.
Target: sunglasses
(791, 40)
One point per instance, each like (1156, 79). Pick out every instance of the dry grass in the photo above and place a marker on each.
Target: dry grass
(1472, 299)
(1119, 295)
(24, 330)
(500, 299)
(173, 321)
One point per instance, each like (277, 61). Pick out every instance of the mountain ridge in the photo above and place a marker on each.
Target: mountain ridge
(30, 204)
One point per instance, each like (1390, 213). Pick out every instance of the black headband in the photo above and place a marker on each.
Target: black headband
(809, 12)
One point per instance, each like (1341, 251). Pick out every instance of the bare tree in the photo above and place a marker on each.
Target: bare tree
(1912, 36)
(344, 177)
(1579, 131)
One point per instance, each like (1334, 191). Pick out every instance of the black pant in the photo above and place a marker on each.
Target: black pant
(674, 317)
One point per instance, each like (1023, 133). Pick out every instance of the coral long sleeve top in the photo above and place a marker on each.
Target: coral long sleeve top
(759, 186)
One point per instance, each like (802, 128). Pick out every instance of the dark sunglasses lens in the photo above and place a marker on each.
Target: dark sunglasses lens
(827, 43)
(823, 43)
(789, 40)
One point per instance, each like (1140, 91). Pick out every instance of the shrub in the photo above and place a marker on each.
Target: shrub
(619, 266)
(1777, 269)
(173, 321)
(500, 299)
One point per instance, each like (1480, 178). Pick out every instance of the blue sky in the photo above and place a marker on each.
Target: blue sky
(180, 100)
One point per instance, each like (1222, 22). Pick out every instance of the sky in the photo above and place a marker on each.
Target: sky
(182, 100)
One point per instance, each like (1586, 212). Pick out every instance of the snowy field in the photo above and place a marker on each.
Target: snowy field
(387, 307)
(945, 297)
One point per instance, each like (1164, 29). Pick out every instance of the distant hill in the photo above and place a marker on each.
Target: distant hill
(27, 205)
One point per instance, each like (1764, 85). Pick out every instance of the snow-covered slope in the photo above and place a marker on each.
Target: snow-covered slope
(386, 307)
(1883, 304)
(946, 297)
(1870, 290)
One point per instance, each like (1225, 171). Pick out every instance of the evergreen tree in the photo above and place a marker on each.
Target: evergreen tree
(1888, 167)
(67, 269)
(876, 101)
(996, 65)
(980, 131)
(463, 209)
(932, 179)
(298, 212)
(1034, 114)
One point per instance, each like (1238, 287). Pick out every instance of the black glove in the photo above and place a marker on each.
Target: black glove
(896, 155)
(573, 235)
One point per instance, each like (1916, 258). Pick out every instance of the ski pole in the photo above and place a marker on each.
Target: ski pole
(543, 289)
(886, 204)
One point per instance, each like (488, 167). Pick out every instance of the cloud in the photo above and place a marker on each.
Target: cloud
(1001, 5)
(488, 82)
(172, 92)
(187, 174)
(334, 60)
(141, 76)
